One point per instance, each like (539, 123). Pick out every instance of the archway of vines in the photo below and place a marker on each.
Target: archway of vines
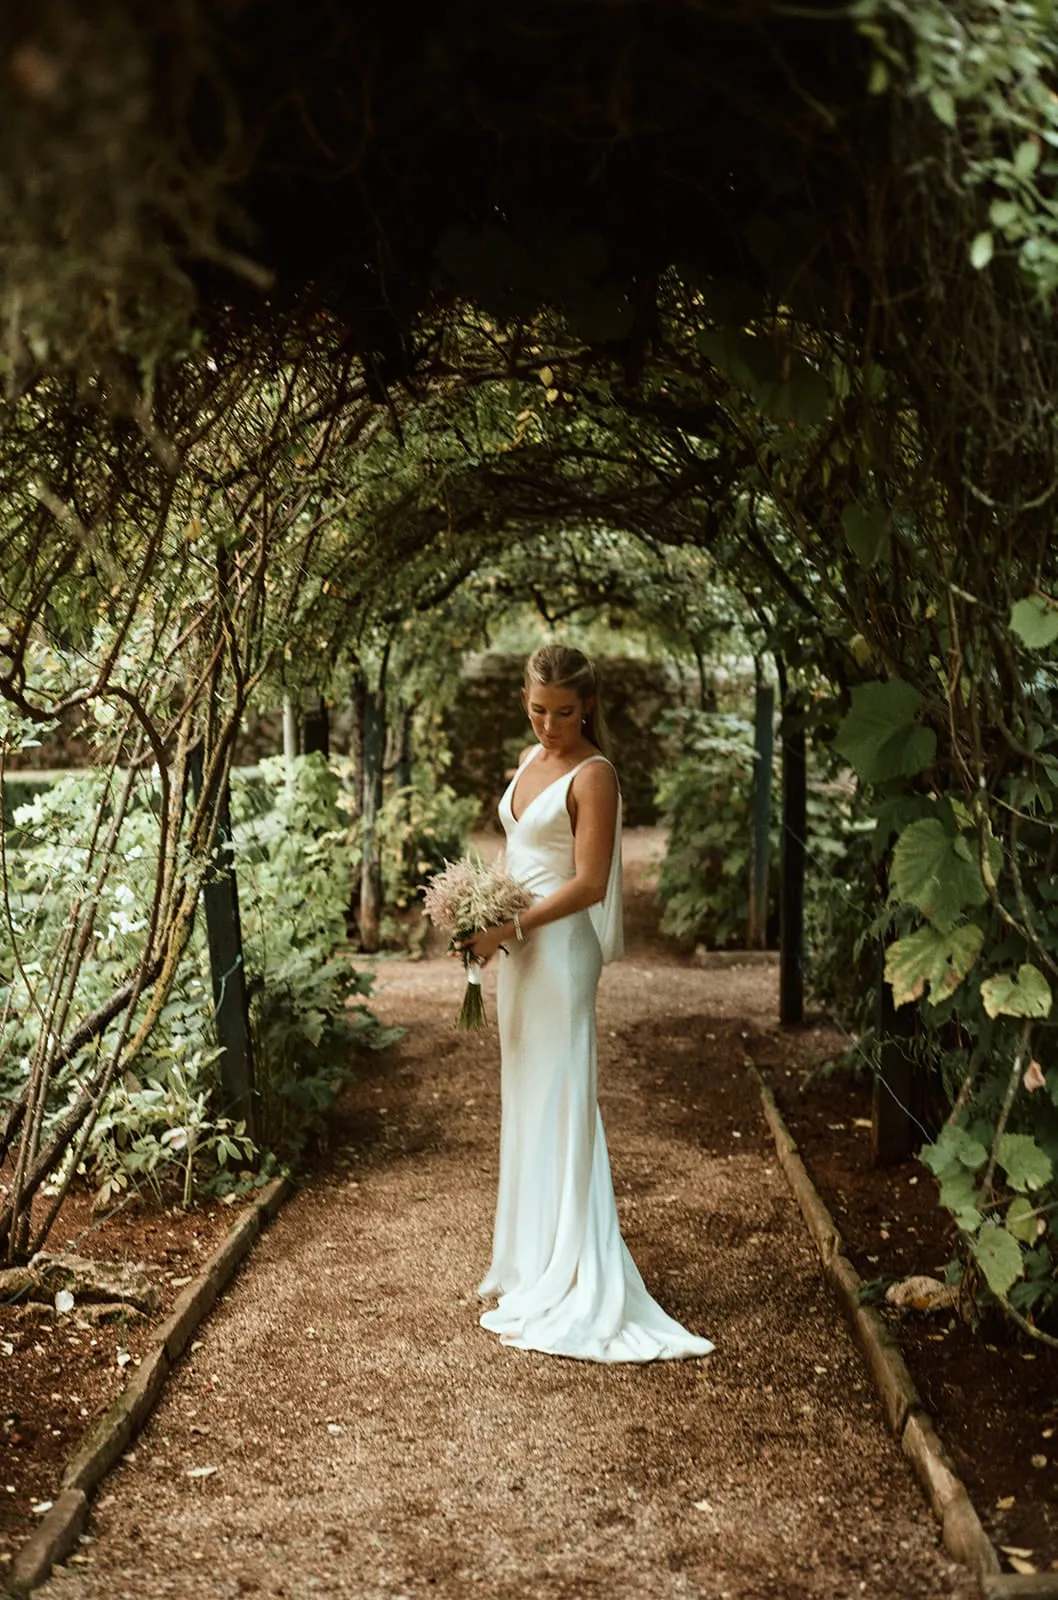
(310, 325)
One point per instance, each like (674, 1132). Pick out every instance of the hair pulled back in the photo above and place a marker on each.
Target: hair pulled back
(561, 667)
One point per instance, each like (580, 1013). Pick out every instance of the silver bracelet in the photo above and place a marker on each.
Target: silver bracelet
(518, 934)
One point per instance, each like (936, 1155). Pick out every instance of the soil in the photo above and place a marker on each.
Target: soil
(992, 1392)
(57, 1374)
(343, 1426)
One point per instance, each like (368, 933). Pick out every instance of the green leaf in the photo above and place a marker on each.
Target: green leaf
(998, 1254)
(878, 78)
(867, 531)
(958, 1195)
(935, 871)
(954, 1150)
(806, 396)
(1035, 620)
(1025, 993)
(982, 250)
(929, 956)
(1025, 1164)
(943, 106)
(1002, 213)
(1021, 1220)
(1026, 158)
(880, 736)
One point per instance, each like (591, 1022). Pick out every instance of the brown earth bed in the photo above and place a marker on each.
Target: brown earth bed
(993, 1393)
(58, 1374)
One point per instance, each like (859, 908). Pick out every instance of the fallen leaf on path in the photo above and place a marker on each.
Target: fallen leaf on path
(1015, 1550)
(1006, 1503)
(1025, 1568)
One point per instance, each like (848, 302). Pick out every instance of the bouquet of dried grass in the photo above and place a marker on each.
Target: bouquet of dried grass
(463, 899)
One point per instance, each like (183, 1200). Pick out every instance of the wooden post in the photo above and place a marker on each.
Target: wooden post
(220, 898)
(792, 868)
(316, 731)
(290, 729)
(895, 1082)
(374, 750)
(763, 742)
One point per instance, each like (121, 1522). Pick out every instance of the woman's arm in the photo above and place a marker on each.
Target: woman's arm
(594, 799)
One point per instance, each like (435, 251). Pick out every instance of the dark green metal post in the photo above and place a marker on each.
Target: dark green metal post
(792, 865)
(763, 744)
(220, 899)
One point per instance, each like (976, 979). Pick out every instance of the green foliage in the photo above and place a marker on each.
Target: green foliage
(419, 828)
(1025, 993)
(1035, 621)
(935, 869)
(987, 73)
(704, 796)
(931, 962)
(162, 1120)
(881, 736)
(293, 863)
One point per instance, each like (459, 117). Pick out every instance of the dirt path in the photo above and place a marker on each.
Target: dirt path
(370, 1440)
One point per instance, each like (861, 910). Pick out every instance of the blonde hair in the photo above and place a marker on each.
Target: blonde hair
(561, 667)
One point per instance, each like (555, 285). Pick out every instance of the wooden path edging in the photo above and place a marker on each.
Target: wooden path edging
(964, 1537)
(103, 1444)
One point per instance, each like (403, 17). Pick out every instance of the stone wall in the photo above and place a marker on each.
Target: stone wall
(487, 727)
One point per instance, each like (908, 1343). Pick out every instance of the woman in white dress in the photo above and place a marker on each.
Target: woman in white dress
(564, 1279)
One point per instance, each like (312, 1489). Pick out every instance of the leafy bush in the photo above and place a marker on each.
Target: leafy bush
(844, 915)
(705, 798)
(162, 1121)
(419, 828)
(294, 863)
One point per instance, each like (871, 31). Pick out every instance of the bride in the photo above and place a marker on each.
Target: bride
(565, 1281)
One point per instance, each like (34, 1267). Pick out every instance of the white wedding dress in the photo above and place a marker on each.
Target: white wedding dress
(565, 1280)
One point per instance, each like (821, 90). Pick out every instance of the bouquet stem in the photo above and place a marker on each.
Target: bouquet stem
(472, 1012)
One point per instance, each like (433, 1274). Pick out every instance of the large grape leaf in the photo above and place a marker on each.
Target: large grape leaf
(880, 736)
(1025, 1164)
(999, 1257)
(1035, 620)
(1021, 1220)
(1025, 993)
(867, 531)
(931, 956)
(953, 1149)
(936, 871)
(959, 1196)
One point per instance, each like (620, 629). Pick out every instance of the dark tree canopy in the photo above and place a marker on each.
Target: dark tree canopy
(362, 160)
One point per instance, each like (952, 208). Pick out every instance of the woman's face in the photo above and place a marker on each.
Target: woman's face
(556, 715)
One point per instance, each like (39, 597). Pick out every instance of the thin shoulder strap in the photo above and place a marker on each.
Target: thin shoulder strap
(572, 773)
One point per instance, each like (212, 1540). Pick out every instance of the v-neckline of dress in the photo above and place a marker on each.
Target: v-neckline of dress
(540, 792)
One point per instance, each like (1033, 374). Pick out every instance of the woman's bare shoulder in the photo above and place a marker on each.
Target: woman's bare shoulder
(597, 779)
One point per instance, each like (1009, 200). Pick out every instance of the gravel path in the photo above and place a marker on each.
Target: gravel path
(369, 1439)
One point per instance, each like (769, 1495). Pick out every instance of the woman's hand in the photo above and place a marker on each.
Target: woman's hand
(484, 945)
